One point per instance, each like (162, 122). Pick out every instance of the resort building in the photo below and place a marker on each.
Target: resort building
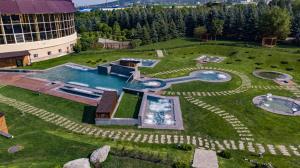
(35, 30)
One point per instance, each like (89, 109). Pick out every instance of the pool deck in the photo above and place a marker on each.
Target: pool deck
(41, 86)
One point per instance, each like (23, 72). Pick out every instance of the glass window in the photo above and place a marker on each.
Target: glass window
(43, 35)
(25, 19)
(35, 55)
(15, 18)
(19, 38)
(63, 33)
(18, 28)
(2, 41)
(6, 19)
(40, 18)
(54, 33)
(53, 26)
(1, 32)
(48, 26)
(49, 52)
(31, 18)
(35, 36)
(10, 39)
(60, 50)
(8, 29)
(41, 27)
(33, 27)
(26, 28)
(49, 35)
(28, 37)
(52, 18)
(46, 18)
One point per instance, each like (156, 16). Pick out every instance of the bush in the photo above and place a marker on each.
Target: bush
(233, 53)
(228, 62)
(225, 154)
(274, 66)
(184, 147)
(77, 48)
(180, 164)
(136, 43)
(251, 57)
(258, 63)
(238, 60)
(298, 60)
(289, 69)
(284, 62)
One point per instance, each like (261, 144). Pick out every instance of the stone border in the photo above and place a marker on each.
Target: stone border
(256, 99)
(287, 77)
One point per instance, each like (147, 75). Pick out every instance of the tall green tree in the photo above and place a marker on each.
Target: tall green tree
(217, 27)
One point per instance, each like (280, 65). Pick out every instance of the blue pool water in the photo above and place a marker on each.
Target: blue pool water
(159, 111)
(148, 84)
(148, 63)
(83, 76)
(210, 75)
(278, 104)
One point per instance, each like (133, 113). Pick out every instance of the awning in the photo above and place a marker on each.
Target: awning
(14, 54)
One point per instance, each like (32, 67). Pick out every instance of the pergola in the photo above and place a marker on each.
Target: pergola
(269, 41)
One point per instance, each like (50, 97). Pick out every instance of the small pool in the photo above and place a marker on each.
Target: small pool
(278, 104)
(146, 84)
(272, 75)
(208, 75)
(144, 62)
(82, 76)
(80, 92)
(159, 111)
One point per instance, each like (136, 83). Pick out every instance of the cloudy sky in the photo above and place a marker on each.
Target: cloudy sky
(89, 2)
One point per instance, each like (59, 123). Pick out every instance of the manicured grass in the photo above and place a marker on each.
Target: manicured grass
(129, 106)
(47, 146)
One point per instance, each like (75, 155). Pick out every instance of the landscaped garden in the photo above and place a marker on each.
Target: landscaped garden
(213, 112)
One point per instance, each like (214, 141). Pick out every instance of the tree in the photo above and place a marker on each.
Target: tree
(116, 29)
(276, 22)
(173, 30)
(154, 34)
(200, 31)
(217, 27)
(146, 36)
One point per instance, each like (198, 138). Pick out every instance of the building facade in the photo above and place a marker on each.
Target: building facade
(44, 28)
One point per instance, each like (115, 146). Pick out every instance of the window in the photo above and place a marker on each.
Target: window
(35, 55)
(15, 18)
(60, 50)
(28, 37)
(43, 36)
(10, 39)
(6, 19)
(19, 38)
(49, 52)
(17, 28)
(26, 28)
(2, 41)
(8, 29)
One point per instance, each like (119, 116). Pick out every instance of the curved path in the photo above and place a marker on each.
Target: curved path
(123, 135)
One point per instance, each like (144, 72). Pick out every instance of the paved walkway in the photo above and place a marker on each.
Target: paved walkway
(159, 53)
(205, 159)
(151, 138)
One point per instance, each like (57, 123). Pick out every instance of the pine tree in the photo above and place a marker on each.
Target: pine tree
(173, 30)
(154, 35)
(146, 36)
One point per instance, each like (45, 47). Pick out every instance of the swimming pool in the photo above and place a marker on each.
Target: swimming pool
(82, 76)
(160, 112)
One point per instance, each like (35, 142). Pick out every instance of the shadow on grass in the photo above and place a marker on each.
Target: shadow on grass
(89, 114)
(137, 107)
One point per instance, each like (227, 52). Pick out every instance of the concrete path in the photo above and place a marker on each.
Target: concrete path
(159, 53)
(205, 159)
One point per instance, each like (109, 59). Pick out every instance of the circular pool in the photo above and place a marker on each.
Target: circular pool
(272, 75)
(278, 104)
(211, 76)
(153, 83)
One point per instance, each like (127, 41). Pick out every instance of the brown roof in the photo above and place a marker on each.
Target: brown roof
(108, 102)
(36, 6)
(14, 54)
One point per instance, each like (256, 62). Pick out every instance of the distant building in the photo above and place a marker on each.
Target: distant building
(35, 30)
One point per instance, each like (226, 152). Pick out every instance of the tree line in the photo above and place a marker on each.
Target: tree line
(150, 24)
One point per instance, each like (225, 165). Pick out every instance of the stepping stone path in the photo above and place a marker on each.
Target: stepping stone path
(268, 87)
(136, 136)
(295, 90)
(240, 128)
(246, 83)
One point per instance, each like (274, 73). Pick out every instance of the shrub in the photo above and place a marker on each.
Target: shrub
(180, 164)
(289, 69)
(270, 55)
(238, 60)
(136, 43)
(251, 57)
(298, 60)
(225, 154)
(258, 63)
(257, 67)
(246, 52)
(233, 53)
(274, 66)
(284, 62)
(77, 48)
(228, 62)
(184, 147)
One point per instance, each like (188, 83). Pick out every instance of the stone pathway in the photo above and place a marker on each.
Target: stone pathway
(152, 138)
(243, 132)
(295, 90)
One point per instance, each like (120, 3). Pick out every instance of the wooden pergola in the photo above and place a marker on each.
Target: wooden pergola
(269, 42)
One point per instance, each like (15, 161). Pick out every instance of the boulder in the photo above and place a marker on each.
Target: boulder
(99, 155)
(78, 163)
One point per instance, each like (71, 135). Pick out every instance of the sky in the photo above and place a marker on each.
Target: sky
(89, 2)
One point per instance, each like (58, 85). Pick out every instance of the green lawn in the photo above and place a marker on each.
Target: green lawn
(242, 57)
(129, 106)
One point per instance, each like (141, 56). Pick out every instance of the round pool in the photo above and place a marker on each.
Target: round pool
(272, 75)
(278, 104)
(153, 83)
(211, 76)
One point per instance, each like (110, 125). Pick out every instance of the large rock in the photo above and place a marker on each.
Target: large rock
(78, 163)
(99, 155)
